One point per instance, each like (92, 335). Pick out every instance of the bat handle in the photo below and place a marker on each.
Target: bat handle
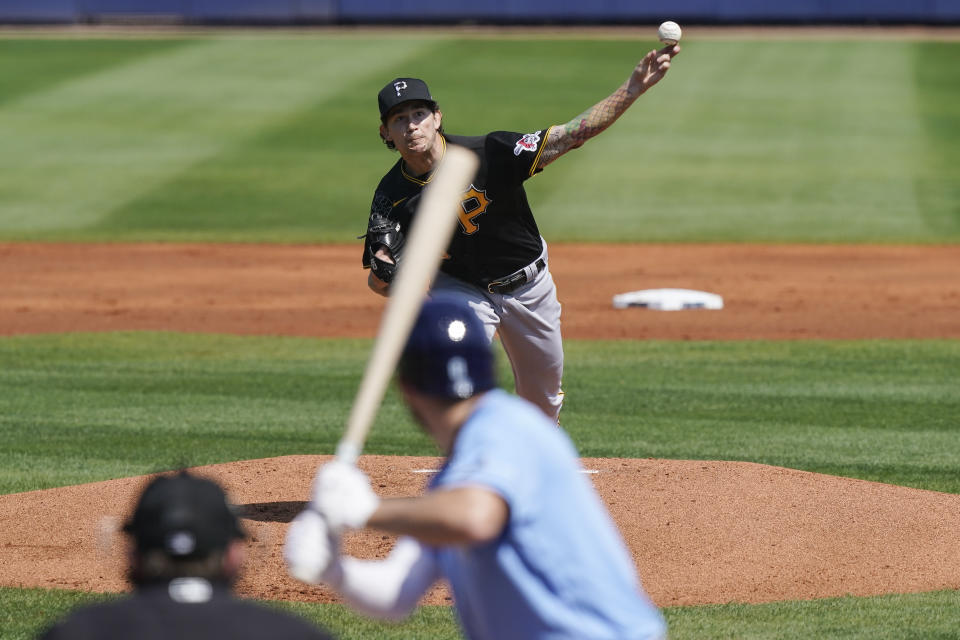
(348, 451)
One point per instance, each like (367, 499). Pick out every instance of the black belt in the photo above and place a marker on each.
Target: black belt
(516, 279)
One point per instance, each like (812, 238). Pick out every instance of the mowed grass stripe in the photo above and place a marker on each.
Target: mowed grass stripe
(809, 141)
(302, 177)
(85, 407)
(83, 148)
(936, 77)
(312, 176)
(276, 139)
(27, 66)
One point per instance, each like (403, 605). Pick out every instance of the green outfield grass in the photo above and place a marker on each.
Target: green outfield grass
(84, 407)
(255, 138)
(923, 616)
(263, 137)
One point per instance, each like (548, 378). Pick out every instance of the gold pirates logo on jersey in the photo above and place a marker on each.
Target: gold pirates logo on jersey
(473, 205)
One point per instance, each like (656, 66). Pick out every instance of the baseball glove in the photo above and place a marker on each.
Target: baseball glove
(382, 232)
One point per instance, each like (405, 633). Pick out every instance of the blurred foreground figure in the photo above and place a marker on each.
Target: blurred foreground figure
(510, 521)
(187, 551)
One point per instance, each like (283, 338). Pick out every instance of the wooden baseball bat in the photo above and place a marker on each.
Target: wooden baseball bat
(429, 236)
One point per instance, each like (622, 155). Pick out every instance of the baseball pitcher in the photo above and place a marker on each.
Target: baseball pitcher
(497, 260)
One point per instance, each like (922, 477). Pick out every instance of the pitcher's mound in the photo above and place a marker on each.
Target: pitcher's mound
(700, 532)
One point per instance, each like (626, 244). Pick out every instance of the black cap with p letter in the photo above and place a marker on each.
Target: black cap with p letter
(402, 90)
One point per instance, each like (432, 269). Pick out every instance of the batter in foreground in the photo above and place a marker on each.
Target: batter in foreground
(525, 542)
(497, 260)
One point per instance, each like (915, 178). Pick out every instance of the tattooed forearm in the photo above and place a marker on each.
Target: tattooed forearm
(648, 72)
(598, 117)
(586, 125)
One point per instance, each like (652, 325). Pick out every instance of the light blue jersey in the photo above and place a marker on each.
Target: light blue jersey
(560, 569)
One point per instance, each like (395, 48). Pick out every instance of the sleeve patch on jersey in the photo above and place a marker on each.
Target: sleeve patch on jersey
(528, 142)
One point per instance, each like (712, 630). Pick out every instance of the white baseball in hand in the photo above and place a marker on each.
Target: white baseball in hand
(669, 33)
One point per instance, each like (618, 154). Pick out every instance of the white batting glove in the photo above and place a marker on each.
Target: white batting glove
(343, 496)
(311, 551)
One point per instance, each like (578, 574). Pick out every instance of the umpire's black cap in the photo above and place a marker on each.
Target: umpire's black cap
(184, 516)
(400, 90)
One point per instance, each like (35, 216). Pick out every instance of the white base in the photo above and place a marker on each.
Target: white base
(668, 300)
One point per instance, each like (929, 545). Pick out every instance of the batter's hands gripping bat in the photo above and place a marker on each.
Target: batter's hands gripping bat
(429, 236)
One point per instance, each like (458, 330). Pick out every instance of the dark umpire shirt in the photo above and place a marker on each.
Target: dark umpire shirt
(497, 234)
(186, 609)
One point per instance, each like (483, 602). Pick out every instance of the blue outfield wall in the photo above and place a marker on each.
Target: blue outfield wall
(187, 11)
(496, 11)
(720, 11)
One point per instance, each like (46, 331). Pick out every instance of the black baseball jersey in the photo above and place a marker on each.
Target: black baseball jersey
(496, 234)
(201, 611)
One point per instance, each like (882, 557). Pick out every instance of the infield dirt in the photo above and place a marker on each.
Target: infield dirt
(700, 532)
(769, 292)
